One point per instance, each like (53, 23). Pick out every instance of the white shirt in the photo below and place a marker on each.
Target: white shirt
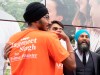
(6, 30)
(63, 43)
(81, 56)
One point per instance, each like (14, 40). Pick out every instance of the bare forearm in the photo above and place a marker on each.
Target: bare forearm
(70, 49)
(71, 63)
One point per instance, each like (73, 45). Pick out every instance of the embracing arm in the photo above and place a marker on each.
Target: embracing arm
(69, 62)
(7, 50)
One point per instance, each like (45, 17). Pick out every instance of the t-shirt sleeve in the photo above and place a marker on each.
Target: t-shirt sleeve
(56, 50)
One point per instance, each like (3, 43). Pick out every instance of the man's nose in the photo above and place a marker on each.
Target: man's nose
(59, 30)
(84, 37)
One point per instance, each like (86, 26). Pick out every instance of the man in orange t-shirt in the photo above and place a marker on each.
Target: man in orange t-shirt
(35, 51)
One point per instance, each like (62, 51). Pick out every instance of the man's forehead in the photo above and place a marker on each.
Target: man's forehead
(56, 25)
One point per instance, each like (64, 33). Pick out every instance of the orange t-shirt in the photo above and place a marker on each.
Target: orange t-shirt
(35, 52)
(59, 69)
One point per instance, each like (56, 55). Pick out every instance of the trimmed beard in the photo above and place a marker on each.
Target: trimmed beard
(41, 26)
(83, 47)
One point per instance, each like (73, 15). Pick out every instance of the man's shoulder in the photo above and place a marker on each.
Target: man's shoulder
(95, 54)
(16, 34)
(49, 34)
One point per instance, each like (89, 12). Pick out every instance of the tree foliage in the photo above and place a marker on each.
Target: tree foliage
(17, 9)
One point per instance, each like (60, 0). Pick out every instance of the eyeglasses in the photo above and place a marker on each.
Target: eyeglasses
(46, 16)
(56, 28)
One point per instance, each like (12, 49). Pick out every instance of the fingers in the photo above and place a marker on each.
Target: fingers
(61, 34)
(64, 36)
(7, 50)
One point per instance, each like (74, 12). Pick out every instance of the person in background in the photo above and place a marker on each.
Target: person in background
(86, 60)
(57, 26)
(35, 51)
(7, 29)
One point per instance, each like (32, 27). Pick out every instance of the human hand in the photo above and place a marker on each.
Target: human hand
(62, 35)
(7, 50)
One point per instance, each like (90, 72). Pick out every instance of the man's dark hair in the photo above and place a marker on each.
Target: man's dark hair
(56, 22)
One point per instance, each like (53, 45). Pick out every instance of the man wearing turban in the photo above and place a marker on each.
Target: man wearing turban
(35, 51)
(86, 60)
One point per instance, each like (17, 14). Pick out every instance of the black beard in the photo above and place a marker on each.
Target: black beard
(41, 27)
(83, 47)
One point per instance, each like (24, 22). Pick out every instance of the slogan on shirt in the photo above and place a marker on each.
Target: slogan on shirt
(25, 47)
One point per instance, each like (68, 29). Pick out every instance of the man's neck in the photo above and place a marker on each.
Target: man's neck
(33, 27)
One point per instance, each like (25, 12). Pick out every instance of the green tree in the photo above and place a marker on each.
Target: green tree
(17, 9)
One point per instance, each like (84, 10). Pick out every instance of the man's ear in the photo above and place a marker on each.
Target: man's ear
(60, 18)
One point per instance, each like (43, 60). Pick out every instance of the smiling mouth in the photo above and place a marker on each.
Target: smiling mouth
(84, 43)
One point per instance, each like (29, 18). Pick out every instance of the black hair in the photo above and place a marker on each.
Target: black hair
(56, 22)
